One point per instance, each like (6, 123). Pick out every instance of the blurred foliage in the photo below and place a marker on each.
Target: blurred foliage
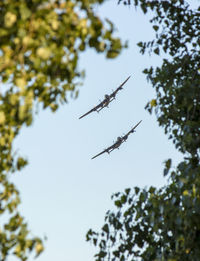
(163, 224)
(40, 45)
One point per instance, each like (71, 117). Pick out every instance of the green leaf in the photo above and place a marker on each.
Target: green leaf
(155, 27)
(157, 51)
(105, 228)
(112, 54)
(140, 44)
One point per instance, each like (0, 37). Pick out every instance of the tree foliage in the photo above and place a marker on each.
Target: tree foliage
(163, 224)
(40, 45)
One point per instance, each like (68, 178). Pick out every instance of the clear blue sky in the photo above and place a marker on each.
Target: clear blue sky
(63, 191)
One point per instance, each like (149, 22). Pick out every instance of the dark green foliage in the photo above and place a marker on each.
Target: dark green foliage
(155, 224)
(163, 224)
(177, 80)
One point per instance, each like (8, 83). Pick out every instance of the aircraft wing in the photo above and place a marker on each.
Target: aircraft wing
(112, 95)
(131, 131)
(111, 148)
(106, 150)
(93, 109)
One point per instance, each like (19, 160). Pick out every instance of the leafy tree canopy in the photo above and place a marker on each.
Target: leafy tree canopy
(40, 45)
(163, 224)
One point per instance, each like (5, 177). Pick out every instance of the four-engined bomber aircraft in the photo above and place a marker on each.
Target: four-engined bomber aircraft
(119, 141)
(106, 101)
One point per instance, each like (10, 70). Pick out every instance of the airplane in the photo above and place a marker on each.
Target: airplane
(106, 101)
(119, 141)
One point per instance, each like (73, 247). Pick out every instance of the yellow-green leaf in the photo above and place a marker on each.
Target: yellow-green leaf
(2, 117)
